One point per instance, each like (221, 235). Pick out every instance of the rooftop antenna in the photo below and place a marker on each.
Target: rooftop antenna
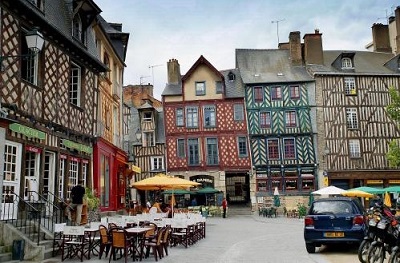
(277, 27)
(152, 70)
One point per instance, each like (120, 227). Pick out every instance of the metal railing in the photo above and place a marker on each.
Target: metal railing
(22, 215)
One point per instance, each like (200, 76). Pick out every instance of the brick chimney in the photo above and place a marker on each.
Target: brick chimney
(313, 53)
(380, 38)
(174, 71)
(295, 48)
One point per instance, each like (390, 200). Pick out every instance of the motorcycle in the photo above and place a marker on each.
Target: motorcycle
(395, 255)
(373, 218)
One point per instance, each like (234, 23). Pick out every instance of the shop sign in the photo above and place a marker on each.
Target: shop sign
(33, 149)
(203, 179)
(27, 131)
(136, 169)
(394, 181)
(77, 146)
(374, 181)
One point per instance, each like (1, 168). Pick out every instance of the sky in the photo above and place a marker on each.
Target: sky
(186, 29)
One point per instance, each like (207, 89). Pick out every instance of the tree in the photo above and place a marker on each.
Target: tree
(393, 110)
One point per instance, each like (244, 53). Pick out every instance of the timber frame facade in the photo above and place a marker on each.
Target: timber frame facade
(206, 129)
(50, 97)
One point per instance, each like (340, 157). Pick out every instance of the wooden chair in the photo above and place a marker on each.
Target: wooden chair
(155, 244)
(74, 243)
(165, 240)
(105, 240)
(121, 242)
(57, 238)
(150, 234)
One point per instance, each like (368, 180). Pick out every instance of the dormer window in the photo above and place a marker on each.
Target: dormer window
(347, 63)
(77, 29)
(38, 3)
(147, 116)
(231, 76)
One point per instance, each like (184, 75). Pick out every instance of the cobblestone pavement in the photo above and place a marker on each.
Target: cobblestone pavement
(250, 238)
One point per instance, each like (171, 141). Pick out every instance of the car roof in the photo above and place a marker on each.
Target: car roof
(338, 198)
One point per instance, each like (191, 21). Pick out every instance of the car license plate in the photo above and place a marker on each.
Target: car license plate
(334, 234)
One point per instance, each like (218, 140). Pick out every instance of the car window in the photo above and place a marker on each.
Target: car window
(332, 207)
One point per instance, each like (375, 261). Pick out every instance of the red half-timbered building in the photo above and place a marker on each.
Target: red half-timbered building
(206, 130)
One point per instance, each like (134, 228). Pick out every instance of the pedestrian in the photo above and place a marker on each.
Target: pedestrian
(224, 207)
(77, 193)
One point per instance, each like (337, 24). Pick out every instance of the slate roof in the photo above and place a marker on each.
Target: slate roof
(233, 88)
(269, 66)
(364, 62)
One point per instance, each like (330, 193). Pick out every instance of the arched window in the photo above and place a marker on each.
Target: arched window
(347, 63)
(107, 63)
(77, 27)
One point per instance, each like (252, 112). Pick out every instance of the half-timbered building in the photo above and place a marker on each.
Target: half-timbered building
(354, 129)
(49, 95)
(206, 130)
(109, 158)
(280, 107)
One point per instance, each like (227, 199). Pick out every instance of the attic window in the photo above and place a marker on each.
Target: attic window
(77, 28)
(231, 76)
(347, 63)
(147, 116)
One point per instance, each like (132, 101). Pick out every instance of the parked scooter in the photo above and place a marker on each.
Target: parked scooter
(395, 255)
(373, 217)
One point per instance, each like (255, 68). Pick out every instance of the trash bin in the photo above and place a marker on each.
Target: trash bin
(18, 250)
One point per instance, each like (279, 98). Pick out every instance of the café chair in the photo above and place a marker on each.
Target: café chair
(57, 238)
(74, 243)
(121, 242)
(105, 240)
(155, 244)
(165, 240)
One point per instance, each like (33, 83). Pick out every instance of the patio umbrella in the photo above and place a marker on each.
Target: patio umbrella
(310, 199)
(329, 190)
(371, 190)
(206, 191)
(177, 192)
(277, 201)
(164, 182)
(392, 189)
(386, 200)
(357, 193)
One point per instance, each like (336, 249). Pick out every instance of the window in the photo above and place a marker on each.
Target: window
(354, 149)
(73, 176)
(63, 163)
(192, 117)
(193, 151)
(242, 146)
(77, 29)
(148, 139)
(289, 148)
(350, 86)
(209, 116)
(180, 145)
(38, 3)
(347, 63)
(290, 118)
(75, 85)
(212, 151)
(258, 94)
(352, 120)
(307, 184)
(218, 87)
(291, 183)
(157, 163)
(276, 93)
(273, 149)
(29, 64)
(294, 92)
(238, 112)
(147, 116)
(107, 64)
(265, 119)
(85, 171)
(231, 76)
(262, 185)
(179, 117)
(200, 88)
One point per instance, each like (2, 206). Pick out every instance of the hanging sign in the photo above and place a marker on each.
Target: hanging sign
(27, 131)
(77, 146)
(136, 169)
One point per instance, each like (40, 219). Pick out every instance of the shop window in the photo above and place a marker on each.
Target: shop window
(262, 186)
(291, 184)
(276, 182)
(307, 184)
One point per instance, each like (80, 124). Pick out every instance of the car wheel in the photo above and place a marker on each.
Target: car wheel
(363, 251)
(310, 248)
(394, 257)
(376, 253)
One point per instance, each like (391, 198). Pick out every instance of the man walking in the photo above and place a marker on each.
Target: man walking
(224, 206)
(77, 193)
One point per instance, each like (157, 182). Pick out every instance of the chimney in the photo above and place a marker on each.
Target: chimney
(174, 71)
(380, 38)
(397, 36)
(295, 48)
(313, 53)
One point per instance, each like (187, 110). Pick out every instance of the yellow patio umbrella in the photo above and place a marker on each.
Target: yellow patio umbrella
(386, 200)
(357, 193)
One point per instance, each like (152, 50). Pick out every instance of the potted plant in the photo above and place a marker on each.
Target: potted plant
(93, 204)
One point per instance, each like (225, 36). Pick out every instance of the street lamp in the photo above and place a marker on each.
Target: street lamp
(34, 41)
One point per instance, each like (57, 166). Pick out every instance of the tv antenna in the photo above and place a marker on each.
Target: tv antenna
(152, 70)
(277, 27)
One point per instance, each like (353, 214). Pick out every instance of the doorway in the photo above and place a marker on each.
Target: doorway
(237, 189)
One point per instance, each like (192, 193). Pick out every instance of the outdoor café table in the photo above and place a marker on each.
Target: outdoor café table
(91, 233)
(137, 234)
